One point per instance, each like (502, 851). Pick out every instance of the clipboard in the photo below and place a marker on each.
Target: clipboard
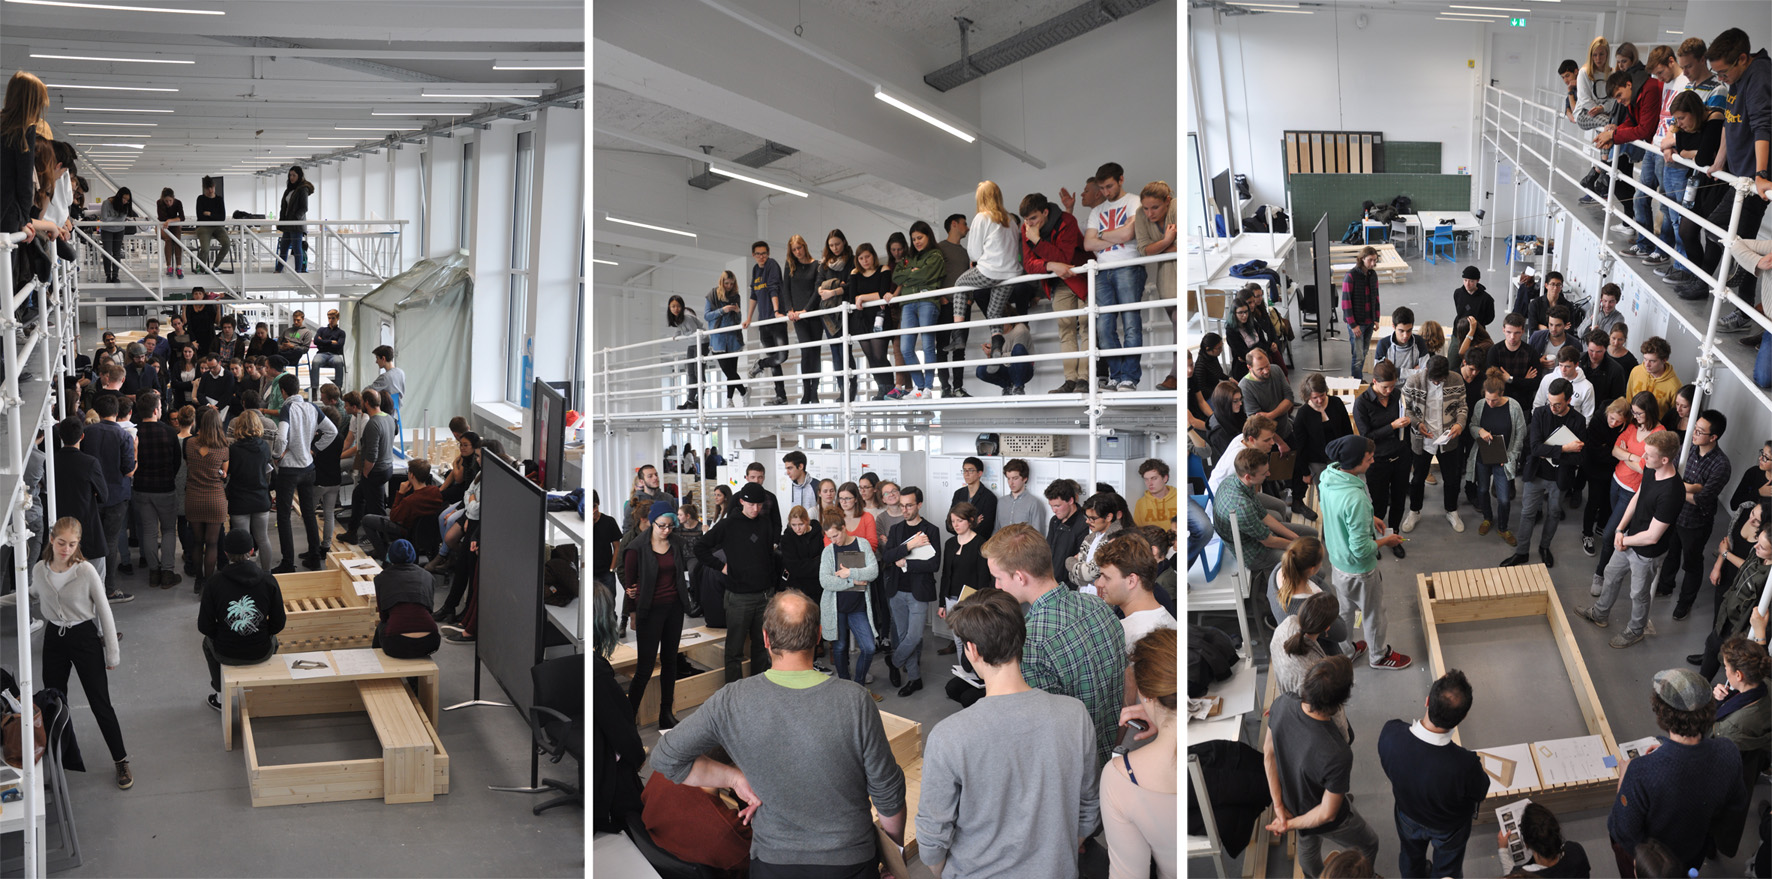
(1493, 451)
(1280, 466)
(1561, 437)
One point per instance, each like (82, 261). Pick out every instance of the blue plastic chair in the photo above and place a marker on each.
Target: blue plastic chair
(1437, 242)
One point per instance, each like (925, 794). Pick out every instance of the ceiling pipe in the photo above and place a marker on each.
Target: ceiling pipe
(1054, 31)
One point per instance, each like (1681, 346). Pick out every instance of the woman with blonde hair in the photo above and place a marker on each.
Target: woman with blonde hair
(993, 243)
(80, 634)
(249, 491)
(1435, 337)
(1594, 105)
(725, 308)
(799, 294)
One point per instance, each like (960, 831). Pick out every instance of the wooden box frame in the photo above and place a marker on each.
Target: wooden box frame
(1449, 597)
(335, 780)
(324, 612)
(906, 737)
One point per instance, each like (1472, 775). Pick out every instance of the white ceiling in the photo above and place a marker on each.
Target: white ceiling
(329, 64)
(1543, 9)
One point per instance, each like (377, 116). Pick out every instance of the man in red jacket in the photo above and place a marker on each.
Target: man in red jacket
(1052, 242)
(1642, 117)
(416, 499)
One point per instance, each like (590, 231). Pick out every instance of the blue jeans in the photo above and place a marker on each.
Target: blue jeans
(337, 362)
(1199, 530)
(1649, 174)
(1358, 345)
(1492, 481)
(854, 622)
(908, 615)
(1673, 183)
(1448, 846)
(292, 241)
(1013, 375)
(1120, 287)
(918, 314)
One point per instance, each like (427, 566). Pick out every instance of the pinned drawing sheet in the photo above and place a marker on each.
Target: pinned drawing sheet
(300, 665)
(361, 661)
(364, 587)
(1562, 761)
(361, 567)
(1524, 774)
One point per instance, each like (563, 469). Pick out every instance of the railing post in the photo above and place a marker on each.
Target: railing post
(1093, 309)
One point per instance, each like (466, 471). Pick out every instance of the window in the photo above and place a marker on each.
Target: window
(517, 344)
(463, 226)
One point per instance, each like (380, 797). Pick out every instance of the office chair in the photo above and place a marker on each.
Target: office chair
(669, 866)
(558, 722)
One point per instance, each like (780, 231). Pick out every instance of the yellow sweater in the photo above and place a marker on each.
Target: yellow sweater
(1663, 387)
(1161, 513)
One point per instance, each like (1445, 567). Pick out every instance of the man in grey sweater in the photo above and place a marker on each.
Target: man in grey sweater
(807, 783)
(1050, 772)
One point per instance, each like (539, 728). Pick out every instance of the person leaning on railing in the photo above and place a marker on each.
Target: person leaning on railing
(1053, 243)
(211, 207)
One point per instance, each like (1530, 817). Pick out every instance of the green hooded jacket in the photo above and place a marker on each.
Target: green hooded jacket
(1347, 521)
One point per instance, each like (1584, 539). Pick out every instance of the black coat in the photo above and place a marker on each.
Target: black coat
(295, 205)
(1314, 432)
(79, 492)
(1064, 537)
(799, 559)
(986, 502)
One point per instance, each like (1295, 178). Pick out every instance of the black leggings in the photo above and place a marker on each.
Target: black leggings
(729, 365)
(1388, 483)
(1451, 476)
(208, 535)
(875, 350)
(1598, 508)
(82, 648)
(809, 329)
(657, 633)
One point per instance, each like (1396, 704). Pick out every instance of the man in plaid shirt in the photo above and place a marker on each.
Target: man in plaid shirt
(1075, 646)
(1264, 538)
(1707, 474)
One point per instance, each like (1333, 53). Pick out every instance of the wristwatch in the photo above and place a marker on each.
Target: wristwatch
(1765, 173)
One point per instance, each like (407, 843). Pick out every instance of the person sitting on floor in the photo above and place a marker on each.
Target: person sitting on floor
(241, 612)
(404, 593)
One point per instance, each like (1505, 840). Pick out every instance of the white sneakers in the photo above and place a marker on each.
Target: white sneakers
(1456, 523)
(1410, 520)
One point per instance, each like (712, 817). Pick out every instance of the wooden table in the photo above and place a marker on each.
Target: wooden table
(701, 644)
(273, 675)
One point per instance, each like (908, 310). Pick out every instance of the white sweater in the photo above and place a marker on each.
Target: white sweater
(996, 249)
(75, 596)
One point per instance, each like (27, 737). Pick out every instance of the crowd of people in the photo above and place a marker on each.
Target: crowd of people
(1553, 414)
(1058, 608)
(1114, 224)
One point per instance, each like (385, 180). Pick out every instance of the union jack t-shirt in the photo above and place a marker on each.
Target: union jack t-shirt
(1112, 215)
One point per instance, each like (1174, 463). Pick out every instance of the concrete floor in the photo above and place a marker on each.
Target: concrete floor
(1521, 692)
(190, 814)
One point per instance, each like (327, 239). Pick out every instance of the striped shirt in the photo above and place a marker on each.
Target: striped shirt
(294, 446)
(1075, 647)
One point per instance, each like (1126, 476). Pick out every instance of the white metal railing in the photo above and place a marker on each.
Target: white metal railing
(43, 343)
(626, 379)
(1741, 188)
(349, 256)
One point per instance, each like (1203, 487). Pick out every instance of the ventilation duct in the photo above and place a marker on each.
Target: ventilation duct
(1054, 31)
(770, 151)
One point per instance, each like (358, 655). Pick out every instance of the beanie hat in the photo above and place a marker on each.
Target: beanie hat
(1348, 451)
(1472, 273)
(400, 552)
(238, 542)
(752, 493)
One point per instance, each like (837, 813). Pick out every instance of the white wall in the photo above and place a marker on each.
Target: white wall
(1404, 74)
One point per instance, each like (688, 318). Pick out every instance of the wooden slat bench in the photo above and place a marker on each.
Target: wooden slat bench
(414, 767)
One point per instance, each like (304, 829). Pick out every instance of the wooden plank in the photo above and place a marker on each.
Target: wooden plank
(1341, 153)
(896, 859)
(1592, 711)
(1292, 152)
(905, 736)
(326, 697)
(1453, 589)
(1366, 153)
(1436, 659)
(1317, 152)
(407, 773)
(690, 692)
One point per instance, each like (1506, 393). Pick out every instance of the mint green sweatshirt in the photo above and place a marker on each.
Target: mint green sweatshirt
(1347, 521)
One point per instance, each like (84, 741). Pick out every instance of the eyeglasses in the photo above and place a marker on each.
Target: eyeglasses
(970, 470)
(665, 525)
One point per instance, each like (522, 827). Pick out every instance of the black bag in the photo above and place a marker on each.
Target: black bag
(1403, 204)
(1210, 658)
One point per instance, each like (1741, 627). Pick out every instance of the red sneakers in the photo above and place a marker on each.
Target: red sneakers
(1359, 650)
(1393, 660)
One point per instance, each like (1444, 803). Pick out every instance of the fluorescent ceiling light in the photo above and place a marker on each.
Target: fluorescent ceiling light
(1276, 5)
(604, 262)
(1465, 20)
(533, 65)
(73, 5)
(351, 139)
(113, 110)
(526, 93)
(1479, 14)
(109, 134)
(382, 128)
(1490, 8)
(107, 88)
(1286, 11)
(881, 95)
(133, 146)
(108, 58)
(147, 124)
(725, 173)
(440, 111)
(650, 226)
(1678, 33)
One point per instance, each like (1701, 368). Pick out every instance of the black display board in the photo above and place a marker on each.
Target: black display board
(513, 516)
(1225, 198)
(1328, 300)
(547, 411)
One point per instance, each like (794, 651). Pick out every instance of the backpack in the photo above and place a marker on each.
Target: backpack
(1404, 204)
(1210, 658)
(1354, 234)
(1384, 214)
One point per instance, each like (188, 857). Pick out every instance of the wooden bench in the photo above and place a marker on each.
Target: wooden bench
(273, 692)
(413, 768)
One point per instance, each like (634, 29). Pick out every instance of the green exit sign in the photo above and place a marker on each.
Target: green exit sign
(1517, 22)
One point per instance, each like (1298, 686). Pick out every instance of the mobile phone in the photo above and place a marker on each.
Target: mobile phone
(1127, 742)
